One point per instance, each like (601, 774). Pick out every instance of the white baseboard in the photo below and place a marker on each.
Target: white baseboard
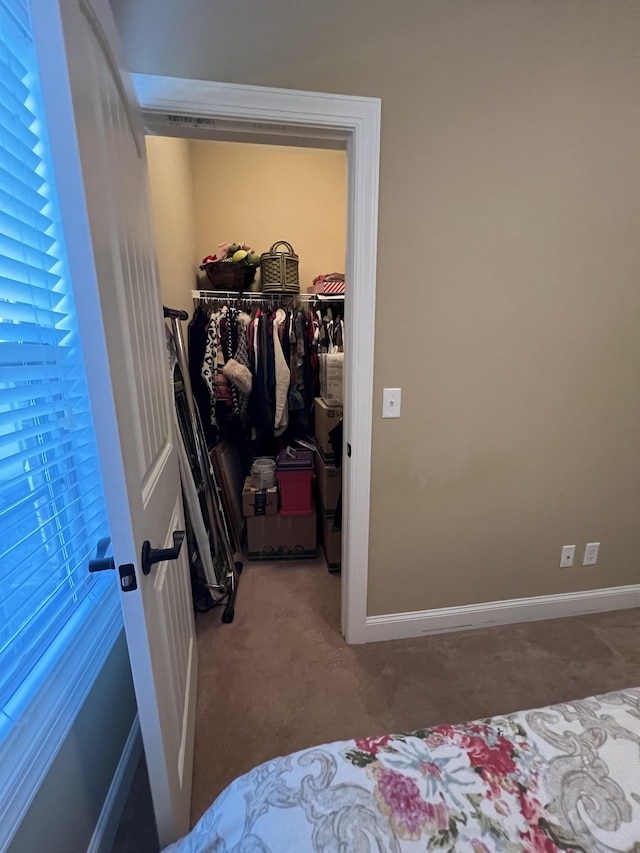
(109, 820)
(399, 626)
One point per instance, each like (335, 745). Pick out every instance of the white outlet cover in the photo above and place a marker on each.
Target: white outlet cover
(567, 556)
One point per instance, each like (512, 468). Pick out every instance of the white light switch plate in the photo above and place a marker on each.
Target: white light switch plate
(591, 554)
(391, 398)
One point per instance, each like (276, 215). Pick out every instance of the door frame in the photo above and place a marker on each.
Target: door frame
(174, 106)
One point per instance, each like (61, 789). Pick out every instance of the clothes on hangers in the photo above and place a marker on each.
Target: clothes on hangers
(196, 348)
(273, 353)
(283, 376)
(258, 373)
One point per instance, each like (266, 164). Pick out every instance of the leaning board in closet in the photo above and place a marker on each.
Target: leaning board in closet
(228, 468)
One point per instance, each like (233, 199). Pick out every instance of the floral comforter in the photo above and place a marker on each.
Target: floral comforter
(565, 777)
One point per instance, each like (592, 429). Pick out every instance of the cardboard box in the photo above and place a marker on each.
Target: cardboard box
(331, 542)
(259, 501)
(331, 370)
(326, 418)
(329, 484)
(282, 537)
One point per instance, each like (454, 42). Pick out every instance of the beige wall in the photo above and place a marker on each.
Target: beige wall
(508, 303)
(173, 219)
(258, 194)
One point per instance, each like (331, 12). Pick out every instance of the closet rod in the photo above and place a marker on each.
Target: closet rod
(251, 296)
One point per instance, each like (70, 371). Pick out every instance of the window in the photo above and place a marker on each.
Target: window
(52, 507)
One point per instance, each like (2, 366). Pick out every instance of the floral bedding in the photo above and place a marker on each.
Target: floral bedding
(561, 778)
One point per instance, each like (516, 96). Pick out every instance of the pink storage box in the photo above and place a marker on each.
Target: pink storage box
(328, 284)
(294, 471)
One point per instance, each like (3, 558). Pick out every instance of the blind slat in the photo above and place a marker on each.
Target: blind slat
(23, 212)
(32, 256)
(31, 333)
(13, 125)
(14, 184)
(17, 140)
(61, 580)
(10, 461)
(26, 393)
(25, 234)
(43, 628)
(23, 293)
(13, 166)
(37, 311)
(79, 450)
(10, 100)
(62, 536)
(22, 508)
(12, 355)
(20, 269)
(38, 372)
(56, 408)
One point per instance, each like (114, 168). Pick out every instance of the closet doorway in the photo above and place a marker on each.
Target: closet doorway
(196, 113)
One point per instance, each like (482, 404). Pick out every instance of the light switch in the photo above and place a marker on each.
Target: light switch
(591, 554)
(391, 402)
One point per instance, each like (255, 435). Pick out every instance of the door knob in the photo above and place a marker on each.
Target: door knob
(102, 563)
(159, 555)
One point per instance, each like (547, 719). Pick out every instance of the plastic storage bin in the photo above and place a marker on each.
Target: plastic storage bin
(295, 474)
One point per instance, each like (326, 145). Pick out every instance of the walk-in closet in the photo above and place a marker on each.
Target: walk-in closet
(251, 256)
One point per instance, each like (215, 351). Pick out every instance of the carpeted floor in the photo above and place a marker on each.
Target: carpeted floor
(280, 678)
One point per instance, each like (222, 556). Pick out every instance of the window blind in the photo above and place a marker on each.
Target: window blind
(52, 507)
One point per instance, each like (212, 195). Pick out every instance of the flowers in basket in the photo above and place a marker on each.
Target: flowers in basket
(234, 268)
(234, 253)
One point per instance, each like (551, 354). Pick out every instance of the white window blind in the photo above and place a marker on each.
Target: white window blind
(52, 508)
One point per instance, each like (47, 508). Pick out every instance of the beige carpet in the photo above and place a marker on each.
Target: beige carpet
(280, 678)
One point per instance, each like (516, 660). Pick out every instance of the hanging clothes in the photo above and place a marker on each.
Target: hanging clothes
(260, 372)
(209, 368)
(196, 347)
(282, 376)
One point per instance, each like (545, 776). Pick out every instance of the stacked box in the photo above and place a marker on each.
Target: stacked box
(294, 471)
(329, 489)
(331, 543)
(282, 537)
(329, 484)
(258, 501)
(326, 419)
(331, 370)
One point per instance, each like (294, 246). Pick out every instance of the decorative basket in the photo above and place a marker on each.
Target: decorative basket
(279, 270)
(224, 275)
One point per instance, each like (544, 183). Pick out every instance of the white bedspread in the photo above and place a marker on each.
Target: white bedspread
(562, 778)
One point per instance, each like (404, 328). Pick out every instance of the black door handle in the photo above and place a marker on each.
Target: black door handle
(102, 563)
(159, 555)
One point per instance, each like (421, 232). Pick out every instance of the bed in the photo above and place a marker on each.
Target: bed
(561, 778)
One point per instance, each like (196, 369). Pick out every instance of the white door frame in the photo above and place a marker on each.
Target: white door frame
(180, 107)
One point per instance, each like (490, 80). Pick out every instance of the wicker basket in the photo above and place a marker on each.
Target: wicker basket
(279, 270)
(229, 276)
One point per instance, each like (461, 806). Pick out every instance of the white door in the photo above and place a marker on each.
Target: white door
(101, 172)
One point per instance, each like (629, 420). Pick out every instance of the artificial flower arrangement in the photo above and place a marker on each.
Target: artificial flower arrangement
(234, 269)
(234, 253)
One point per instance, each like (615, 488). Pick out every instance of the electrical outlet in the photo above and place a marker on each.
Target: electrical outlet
(567, 556)
(591, 554)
